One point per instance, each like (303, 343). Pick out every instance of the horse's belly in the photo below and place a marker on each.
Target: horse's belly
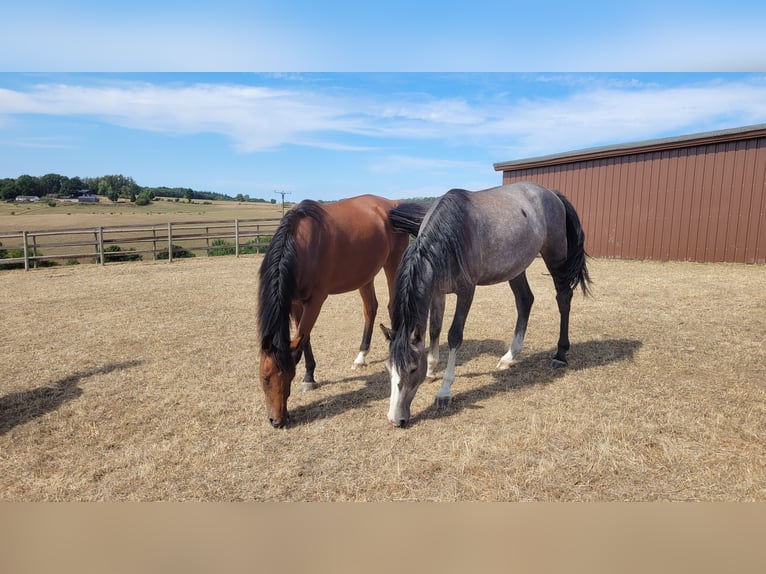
(351, 275)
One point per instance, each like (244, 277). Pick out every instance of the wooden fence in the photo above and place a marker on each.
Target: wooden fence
(115, 243)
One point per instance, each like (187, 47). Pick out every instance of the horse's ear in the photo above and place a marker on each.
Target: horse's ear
(387, 333)
(417, 336)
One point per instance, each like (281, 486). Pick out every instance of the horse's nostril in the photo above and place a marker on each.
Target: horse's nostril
(276, 423)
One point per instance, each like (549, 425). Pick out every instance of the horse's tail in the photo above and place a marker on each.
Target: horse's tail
(575, 269)
(407, 217)
(277, 284)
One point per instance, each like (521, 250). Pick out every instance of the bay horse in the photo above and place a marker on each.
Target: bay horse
(478, 238)
(319, 250)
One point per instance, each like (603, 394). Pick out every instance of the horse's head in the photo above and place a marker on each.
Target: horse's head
(406, 364)
(276, 379)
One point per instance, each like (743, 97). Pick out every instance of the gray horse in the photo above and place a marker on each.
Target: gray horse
(478, 238)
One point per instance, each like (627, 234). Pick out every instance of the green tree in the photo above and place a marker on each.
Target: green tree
(53, 184)
(28, 185)
(143, 198)
(8, 189)
(106, 190)
(72, 186)
(188, 195)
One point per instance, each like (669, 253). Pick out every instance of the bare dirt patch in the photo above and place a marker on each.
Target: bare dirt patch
(138, 381)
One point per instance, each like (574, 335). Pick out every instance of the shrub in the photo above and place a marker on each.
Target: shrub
(178, 253)
(11, 254)
(220, 247)
(112, 253)
(143, 198)
(19, 252)
(252, 247)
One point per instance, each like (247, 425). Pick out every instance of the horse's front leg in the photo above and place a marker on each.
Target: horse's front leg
(454, 339)
(305, 314)
(436, 319)
(370, 304)
(308, 383)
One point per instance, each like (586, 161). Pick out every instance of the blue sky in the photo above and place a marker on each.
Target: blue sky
(332, 99)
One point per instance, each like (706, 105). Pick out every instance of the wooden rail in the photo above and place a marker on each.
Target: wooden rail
(157, 240)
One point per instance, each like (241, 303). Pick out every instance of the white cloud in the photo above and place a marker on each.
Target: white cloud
(257, 118)
(605, 116)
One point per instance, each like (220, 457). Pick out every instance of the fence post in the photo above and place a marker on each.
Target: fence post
(26, 251)
(207, 241)
(154, 243)
(236, 238)
(170, 242)
(101, 245)
(34, 250)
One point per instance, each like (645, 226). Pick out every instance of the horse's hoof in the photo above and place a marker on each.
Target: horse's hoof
(442, 402)
(430, 375)
(357, 366)
(503, 365)
(308, 386)
(558, 364)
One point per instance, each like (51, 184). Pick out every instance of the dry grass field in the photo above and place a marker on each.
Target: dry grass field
(36, 216)
(138, 381)
(123, 217)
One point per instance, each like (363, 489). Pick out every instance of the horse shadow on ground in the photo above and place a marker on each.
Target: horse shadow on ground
(530, 370)
(21, 407)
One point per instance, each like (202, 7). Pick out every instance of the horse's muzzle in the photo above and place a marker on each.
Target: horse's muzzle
(279, 423)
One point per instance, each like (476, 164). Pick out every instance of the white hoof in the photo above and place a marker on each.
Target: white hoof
(360, 361)
(504, 365)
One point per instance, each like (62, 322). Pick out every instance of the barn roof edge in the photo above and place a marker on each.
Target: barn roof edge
(616, 150)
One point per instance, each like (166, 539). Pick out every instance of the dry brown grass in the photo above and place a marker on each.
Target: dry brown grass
(37, 216)
(139, 382)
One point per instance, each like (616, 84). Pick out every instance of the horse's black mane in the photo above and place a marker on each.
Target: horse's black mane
(276, 287)
(434, 259)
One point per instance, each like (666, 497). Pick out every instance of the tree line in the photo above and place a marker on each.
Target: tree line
(113, 187)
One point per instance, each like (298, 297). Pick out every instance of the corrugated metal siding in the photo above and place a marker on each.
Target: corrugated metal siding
(700, 203)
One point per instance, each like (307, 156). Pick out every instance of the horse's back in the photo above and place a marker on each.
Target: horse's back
(351, 244)
(514, 223)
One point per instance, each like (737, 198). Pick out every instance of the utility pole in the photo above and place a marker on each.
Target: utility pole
(283, 193)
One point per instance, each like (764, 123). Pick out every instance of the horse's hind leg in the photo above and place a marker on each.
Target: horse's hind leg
(564, 300)
(370, 303)
(564, 294)
(524, 300)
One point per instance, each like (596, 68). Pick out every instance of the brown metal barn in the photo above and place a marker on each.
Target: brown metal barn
(696, 198)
